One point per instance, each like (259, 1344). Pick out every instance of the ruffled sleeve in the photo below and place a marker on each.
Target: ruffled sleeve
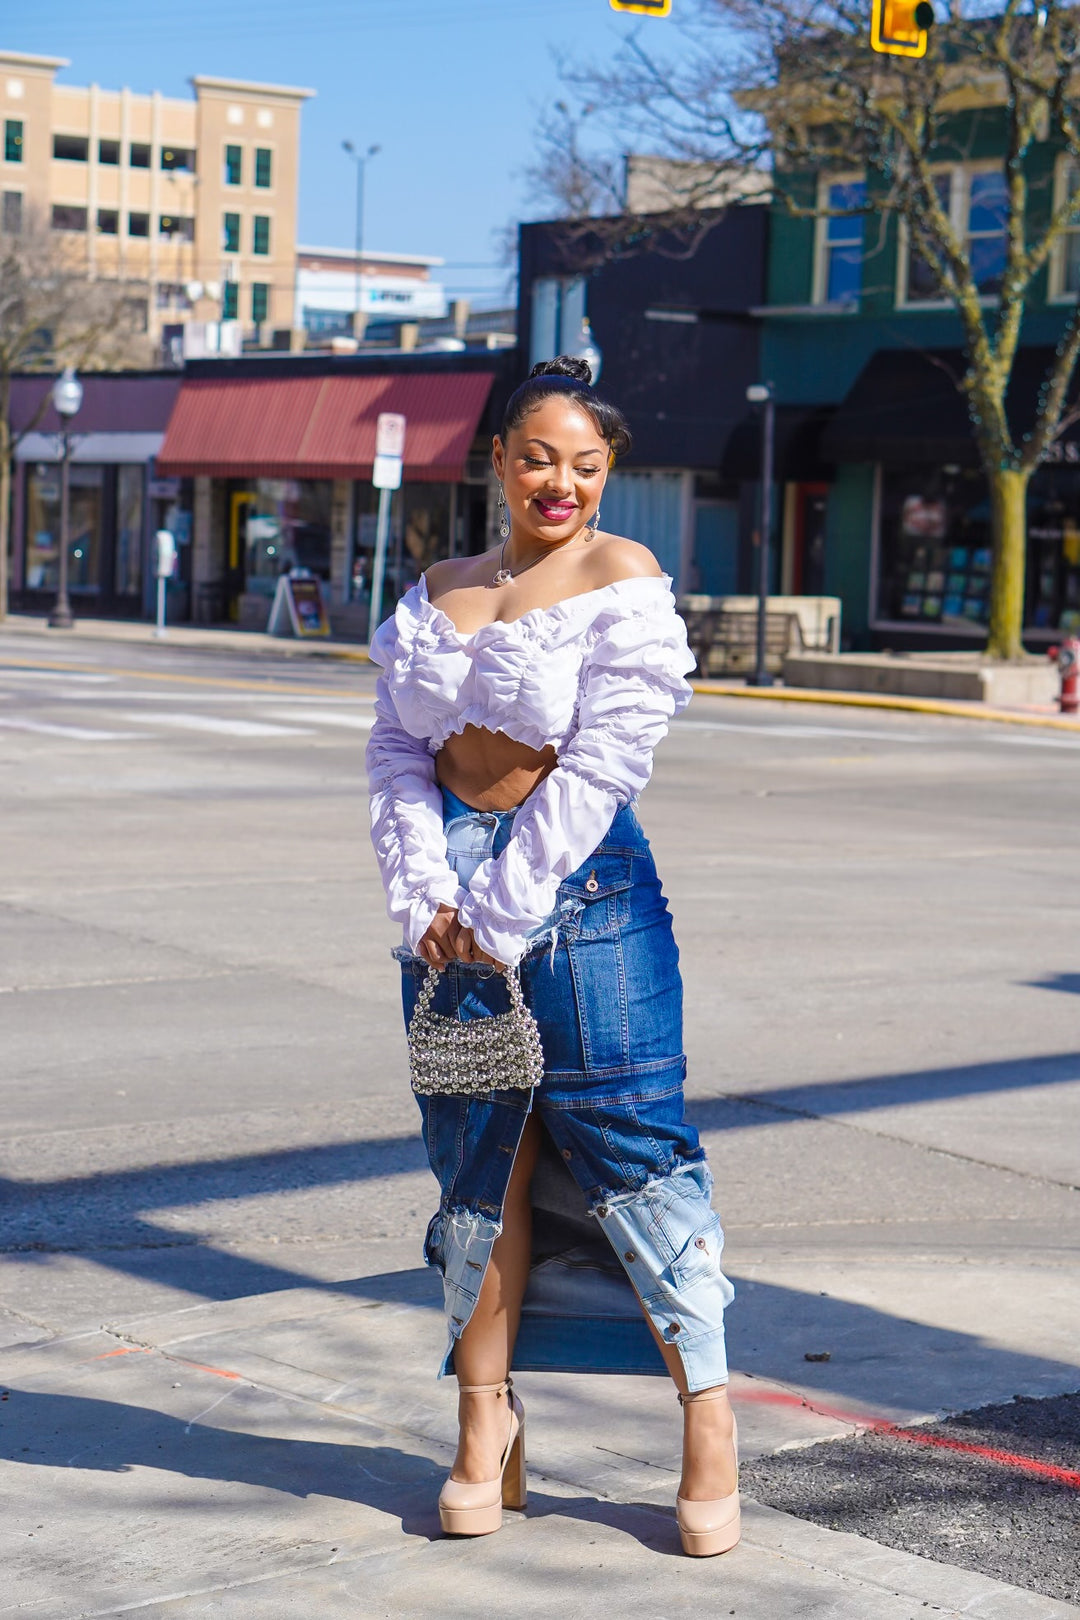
(406, 806)
(633, 682)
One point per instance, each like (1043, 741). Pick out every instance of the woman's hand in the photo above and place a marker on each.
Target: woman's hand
(437, 947)
(446, 941)
(467, 950)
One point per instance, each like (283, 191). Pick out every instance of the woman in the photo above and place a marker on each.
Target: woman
(522, 695)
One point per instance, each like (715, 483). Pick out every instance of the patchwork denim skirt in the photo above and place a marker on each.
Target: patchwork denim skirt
(623, 1226)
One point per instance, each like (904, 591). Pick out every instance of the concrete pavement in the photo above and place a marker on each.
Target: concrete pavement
(218, 1341)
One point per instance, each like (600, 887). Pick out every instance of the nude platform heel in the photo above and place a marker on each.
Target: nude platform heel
(708, 1528)
(476, 1509)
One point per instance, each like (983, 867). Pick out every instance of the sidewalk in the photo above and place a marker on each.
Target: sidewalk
(301, 1440)
(181, 638)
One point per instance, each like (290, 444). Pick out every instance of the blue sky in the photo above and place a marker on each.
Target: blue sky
(450, 89)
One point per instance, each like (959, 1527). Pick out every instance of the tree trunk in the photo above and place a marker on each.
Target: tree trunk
(1008, 512)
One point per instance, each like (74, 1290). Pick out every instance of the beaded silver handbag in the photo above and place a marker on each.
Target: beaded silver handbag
(468, 1058)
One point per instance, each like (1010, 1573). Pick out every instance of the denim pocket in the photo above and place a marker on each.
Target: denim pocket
(601, 888)
(700, 1257)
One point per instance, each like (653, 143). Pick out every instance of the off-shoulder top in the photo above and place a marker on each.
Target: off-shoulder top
(598, 677)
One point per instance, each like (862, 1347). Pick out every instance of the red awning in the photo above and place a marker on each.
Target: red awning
(321, 427)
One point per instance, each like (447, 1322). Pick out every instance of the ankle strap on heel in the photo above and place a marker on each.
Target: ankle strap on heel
(487, 1389)
(714, 1394)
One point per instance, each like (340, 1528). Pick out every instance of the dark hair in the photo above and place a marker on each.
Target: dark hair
(570, 375)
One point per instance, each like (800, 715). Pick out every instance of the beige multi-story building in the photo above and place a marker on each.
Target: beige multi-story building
(192, 202)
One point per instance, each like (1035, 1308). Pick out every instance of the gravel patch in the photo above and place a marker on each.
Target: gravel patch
(952, 1506)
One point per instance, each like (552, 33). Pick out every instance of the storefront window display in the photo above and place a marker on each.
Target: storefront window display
(86, 485)
(419, 535)
(287, 526)
(935, 548)
(130, 484)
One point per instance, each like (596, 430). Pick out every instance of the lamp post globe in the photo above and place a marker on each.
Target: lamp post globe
(586, 348)
(67, 397)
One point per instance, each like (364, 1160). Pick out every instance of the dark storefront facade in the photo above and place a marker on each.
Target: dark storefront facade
(673, 320)
(117, 499)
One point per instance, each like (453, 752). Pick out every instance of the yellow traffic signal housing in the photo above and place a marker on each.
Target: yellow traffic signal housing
(899, 27)
(644, 8)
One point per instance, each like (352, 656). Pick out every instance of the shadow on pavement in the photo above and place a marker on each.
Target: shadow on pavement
(1069, 982)
(96, 1436)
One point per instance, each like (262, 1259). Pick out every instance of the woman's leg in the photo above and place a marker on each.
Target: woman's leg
(709, 1468)
(483, 1353)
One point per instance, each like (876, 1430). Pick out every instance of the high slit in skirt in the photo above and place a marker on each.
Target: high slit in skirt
(622, 1219)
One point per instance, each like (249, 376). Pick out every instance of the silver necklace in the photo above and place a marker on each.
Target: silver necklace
(502, 574)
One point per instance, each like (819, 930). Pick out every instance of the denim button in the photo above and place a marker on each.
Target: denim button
(699, 1243)
(567, 1153)
(601, 1210)
(673, 1327)
(630, 1255)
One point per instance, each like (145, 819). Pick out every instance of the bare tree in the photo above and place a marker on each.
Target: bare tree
(792, 86)
(52, 314)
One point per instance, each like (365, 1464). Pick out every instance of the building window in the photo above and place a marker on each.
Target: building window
(230, 233)
(66, 217)
(139, 155)
(263, 167)
(13, 140)
(840, 242)
(171, 295)
(108, 222)
(233, 165)
(977, 203)
(987, 217)
(178, 159)
(1066, 277)
(127, 559)
(260, 301)
(71, 148)
(108, 152)
(230, 300)
(11, 213)
(177, 227)
(138, 224)
(260, 234)
(86, 483)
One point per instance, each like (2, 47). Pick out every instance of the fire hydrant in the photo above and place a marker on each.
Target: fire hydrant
(1068, 663)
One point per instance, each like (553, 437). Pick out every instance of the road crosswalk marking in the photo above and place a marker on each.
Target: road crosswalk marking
(328, 717)
(213, 723)
(48, 728)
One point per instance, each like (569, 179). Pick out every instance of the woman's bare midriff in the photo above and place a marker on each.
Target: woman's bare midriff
(489, 770)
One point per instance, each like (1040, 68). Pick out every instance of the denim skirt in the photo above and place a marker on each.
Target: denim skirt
(623, 1226)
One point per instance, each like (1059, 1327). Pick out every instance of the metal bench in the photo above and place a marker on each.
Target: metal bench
(722, 630)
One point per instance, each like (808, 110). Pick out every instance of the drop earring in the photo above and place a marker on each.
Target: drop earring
(504, 516)
(594, 521)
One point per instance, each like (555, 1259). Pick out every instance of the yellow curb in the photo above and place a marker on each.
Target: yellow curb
(883, 700)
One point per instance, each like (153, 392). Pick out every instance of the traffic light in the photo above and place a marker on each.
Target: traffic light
(645, 8)
(899, 27)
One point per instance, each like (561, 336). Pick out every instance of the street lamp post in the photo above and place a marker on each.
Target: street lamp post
(586, 348)
(361, 161)
(67, 397)
(762, 394)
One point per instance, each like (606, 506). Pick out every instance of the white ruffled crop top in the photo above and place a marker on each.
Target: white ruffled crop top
(599, 676)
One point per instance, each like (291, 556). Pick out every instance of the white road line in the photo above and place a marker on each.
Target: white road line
(1022, 740)
(211, 723)
(79, 733)
(800, 731)
(328, 717)
(131, 695)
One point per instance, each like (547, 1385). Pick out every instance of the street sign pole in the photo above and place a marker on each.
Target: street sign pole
(386, 477)
(382, 535)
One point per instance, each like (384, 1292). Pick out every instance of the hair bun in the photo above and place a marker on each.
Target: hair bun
(564, 365)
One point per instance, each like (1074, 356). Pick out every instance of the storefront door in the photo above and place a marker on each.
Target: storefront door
(106, 537)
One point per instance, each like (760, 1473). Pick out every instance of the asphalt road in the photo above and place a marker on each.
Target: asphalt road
(202, 1068)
